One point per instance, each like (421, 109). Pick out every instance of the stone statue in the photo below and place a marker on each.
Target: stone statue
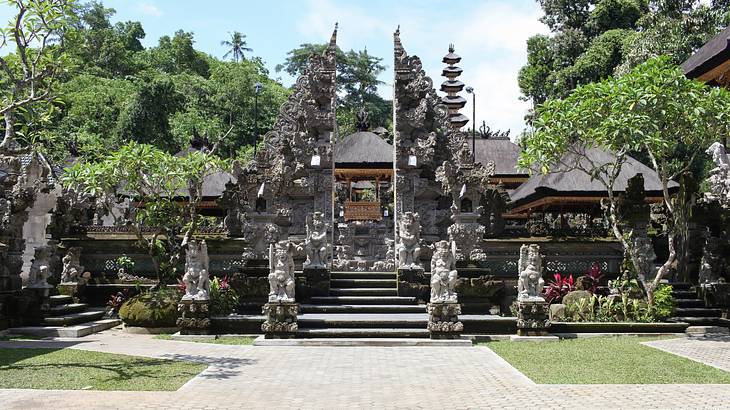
(39, 271)
(281, 279)
(316, 245)
(196, 278)
(443, 273)
(409, 237)
(530, 282)
(72, 269)
(719, 179)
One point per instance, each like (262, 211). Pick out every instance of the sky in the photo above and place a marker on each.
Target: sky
(489, 35)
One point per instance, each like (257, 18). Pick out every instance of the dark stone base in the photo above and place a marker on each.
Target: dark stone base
(281, 320)
(41, 295)
(75, 290)
(313, 282)
(194, 317)
(533, 317)
(414, 283)
(19, 309)
(443, 320)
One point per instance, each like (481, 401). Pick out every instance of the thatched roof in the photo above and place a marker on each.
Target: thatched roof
(709, 56)
(363, 148)
(503, 152)
(564, 181)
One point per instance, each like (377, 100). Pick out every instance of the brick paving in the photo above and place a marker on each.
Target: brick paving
(242, 377)
(712, 351)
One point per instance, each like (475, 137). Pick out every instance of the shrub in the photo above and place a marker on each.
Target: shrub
(558, 287)
(151, 309)
(223, 298)
(664, 302)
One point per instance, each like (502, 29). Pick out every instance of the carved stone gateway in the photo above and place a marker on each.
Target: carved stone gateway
(532, 309)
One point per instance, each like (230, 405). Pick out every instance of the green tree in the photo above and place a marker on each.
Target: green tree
(36, 36)
(237, 46)
(177, 55)
(153, 183)
(653, 109)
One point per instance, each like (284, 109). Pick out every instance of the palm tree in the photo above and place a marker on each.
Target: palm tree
(237, 45)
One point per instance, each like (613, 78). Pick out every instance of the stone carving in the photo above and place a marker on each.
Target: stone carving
(317, 244)
(719, 179)
(39, 271)
(72, 269)
(530, 282)
(409, 238)
(533, 317)
(194, 317)
(712, 265)
(281, 279)
(644, 252)
(281, 320)
(443, 320)
(443, 273)
(196, 277)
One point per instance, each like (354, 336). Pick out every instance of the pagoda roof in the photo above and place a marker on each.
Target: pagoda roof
(363, 148)
(569, 181)
(710, 56)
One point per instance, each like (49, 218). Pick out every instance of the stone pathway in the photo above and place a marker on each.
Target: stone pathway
(343, 377)
(712, 351)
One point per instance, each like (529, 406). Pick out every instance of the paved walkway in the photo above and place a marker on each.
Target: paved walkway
(713, 351)
(241, 377)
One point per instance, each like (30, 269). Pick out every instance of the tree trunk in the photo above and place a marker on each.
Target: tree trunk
(9, 130)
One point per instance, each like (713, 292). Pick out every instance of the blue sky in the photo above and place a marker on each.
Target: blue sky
(490, 36)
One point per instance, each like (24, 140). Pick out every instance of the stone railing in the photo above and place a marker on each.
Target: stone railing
(362, 211)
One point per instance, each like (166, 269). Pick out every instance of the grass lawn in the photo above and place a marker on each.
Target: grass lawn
(221, 340)
(70, 369)
(604, 360)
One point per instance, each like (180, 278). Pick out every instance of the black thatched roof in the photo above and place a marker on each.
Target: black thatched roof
(503, 152)
(564, 181)
(363, 148)
(709, 56)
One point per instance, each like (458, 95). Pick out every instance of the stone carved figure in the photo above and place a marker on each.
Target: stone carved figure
(317, 245)
(409, 238)
(530, 282)
(712, 264)
(72, 269)
(39, 271)
(719, 178)
(281, 279)
(443, 273)
(196, 277)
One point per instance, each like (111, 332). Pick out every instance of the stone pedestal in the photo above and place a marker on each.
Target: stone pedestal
(193, 317)
(281, 320)
(533, 317)
(443, 320)
(313, 282)
(73, 289)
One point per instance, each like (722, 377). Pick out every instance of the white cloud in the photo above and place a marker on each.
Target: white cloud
(149, 9)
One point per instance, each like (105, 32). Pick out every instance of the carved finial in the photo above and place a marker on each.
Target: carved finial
(451, 48)
(333, 39)
(362, 120)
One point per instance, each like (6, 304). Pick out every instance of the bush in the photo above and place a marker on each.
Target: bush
(151, 309)
(663, 303)
(223, 298)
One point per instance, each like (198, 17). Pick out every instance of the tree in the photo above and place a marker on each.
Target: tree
(159, 193)
(653, 109)
(30, 75)
(237, 45)
(177, 55)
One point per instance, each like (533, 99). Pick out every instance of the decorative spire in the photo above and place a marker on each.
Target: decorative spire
(333, 39)
(452, 87)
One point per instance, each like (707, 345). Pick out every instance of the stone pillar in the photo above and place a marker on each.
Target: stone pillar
(194, 317)
(533, 317)
(281, 320)
(443, 320)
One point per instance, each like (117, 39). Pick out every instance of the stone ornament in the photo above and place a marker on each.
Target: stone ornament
(443, 320)
(72, 269)
(281, 318)
(530, 282)
(39, 268)
(194, 317)
(719, 179)
(533, 318)
(196, 277)
(281, 277)
(443, 273)
(317, 245)
(409, 238)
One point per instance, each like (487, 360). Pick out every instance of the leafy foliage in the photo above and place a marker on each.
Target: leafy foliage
(622, 308)
(151, 309)
(223, 298)
(558, 287)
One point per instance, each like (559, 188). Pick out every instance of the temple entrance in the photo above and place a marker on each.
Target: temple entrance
(363, 220)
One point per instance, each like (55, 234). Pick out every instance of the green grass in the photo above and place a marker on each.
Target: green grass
(70, 369)
(604, 360)
(220, 340)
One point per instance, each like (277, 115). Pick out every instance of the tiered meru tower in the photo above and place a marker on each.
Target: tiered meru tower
(452, 87)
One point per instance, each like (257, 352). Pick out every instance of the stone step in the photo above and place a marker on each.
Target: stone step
(362, 342)
(75, 318)
(701, 321)
(363, 300)
(363, 308)
(57, 300)
(363, 292)
(79, 330)
(684, 294)
(362, 333)
(681, 286)
(698, 312)
(363, 283)
(363, 275)
(67, 309)
(365, 321)
(690, 303)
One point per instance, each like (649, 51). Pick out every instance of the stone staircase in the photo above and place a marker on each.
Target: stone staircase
(68, 319)
(691, 308)
(363, 305)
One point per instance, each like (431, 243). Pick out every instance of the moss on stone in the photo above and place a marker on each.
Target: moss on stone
(151, 309)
